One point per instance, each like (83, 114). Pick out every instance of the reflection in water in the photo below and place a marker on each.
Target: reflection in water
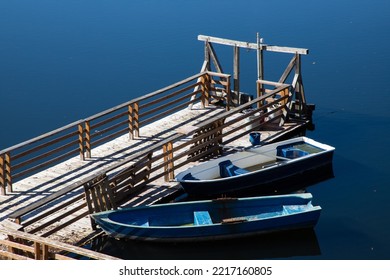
(287, 244)
(276, 245)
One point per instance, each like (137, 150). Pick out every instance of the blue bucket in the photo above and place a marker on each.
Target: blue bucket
(254, 138)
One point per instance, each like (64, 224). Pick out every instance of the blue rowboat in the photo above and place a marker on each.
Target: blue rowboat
(255, 168)
(211, 219)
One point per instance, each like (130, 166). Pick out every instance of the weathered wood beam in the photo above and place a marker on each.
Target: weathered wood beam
(236, 69)
(288, 70)
(252, 46)
(214, 57)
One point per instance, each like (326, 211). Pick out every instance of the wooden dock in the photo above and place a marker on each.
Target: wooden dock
(128, 155)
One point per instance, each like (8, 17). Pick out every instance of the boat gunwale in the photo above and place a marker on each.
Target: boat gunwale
(104, 216)
(324, 147)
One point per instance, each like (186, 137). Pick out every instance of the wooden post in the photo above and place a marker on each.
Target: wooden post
(37, 251)
(205, 98)
(284, 106)
(168, 157)
(206, 56)
(204, 68)
(130, 121)
(214, 57)
(299, 91)
(259, 93)
(260, 69)
(7, 172)
(236, 73)
(81, 141)
(217, 140)
(228, 94)
(45, 252)
(136, 119)
(2, 175)
(87, 139)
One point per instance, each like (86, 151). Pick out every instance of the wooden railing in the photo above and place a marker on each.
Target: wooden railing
(37, 153)
(80, 137)
(24, 246)
(162, 159)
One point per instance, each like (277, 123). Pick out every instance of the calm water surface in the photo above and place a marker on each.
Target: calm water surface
(65, 60)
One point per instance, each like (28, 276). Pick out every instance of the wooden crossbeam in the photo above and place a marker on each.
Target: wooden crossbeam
(252, 46)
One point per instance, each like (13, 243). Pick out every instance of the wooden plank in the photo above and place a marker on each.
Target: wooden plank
(58, 218)
(42, 137)
(49, 153)
(187, 129)
(108, 120)
(214, 57)
(252, 46)
(2, 175)
(49, 162)
(145, 97)
(13, 256)
(46, 144)
(16, 245)
(168, 104)
(20, 212)
(236, 72)
(171, 95)
(62, 257)
(59, 245)
(10, 225)
(67, 223)
(288, 70)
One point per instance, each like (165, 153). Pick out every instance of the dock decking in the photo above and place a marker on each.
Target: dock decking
(53, 179)
(135, 149)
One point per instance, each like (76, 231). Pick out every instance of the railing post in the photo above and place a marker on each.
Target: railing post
(136, 119)
(236, 73)
(45, 252)
(81, 141)
(5, 174)
(168, 157)
(7, 171)
(2, 175)
(260, 92)
(205, 90)
(87, 139)
(130, 121)
(37, 251)
(228, 93)
(299, 91)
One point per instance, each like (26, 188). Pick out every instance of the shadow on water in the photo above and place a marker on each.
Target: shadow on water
(281, 245)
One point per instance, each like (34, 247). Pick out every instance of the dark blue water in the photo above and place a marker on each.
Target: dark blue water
(65, 60)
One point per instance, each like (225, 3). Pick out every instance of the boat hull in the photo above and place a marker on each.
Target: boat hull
(261, 180)
(263, 215)
(255, 180)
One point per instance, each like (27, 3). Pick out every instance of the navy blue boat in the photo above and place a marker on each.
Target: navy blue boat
(255, 167)
(211, 219)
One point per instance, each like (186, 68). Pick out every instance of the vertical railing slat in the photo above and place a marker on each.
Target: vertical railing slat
(2, 175)
(7, 171)
(130, 121)
(81, 141)
(136, 119)
(87, 138)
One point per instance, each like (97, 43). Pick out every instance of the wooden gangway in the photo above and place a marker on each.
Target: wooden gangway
(128, 155)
